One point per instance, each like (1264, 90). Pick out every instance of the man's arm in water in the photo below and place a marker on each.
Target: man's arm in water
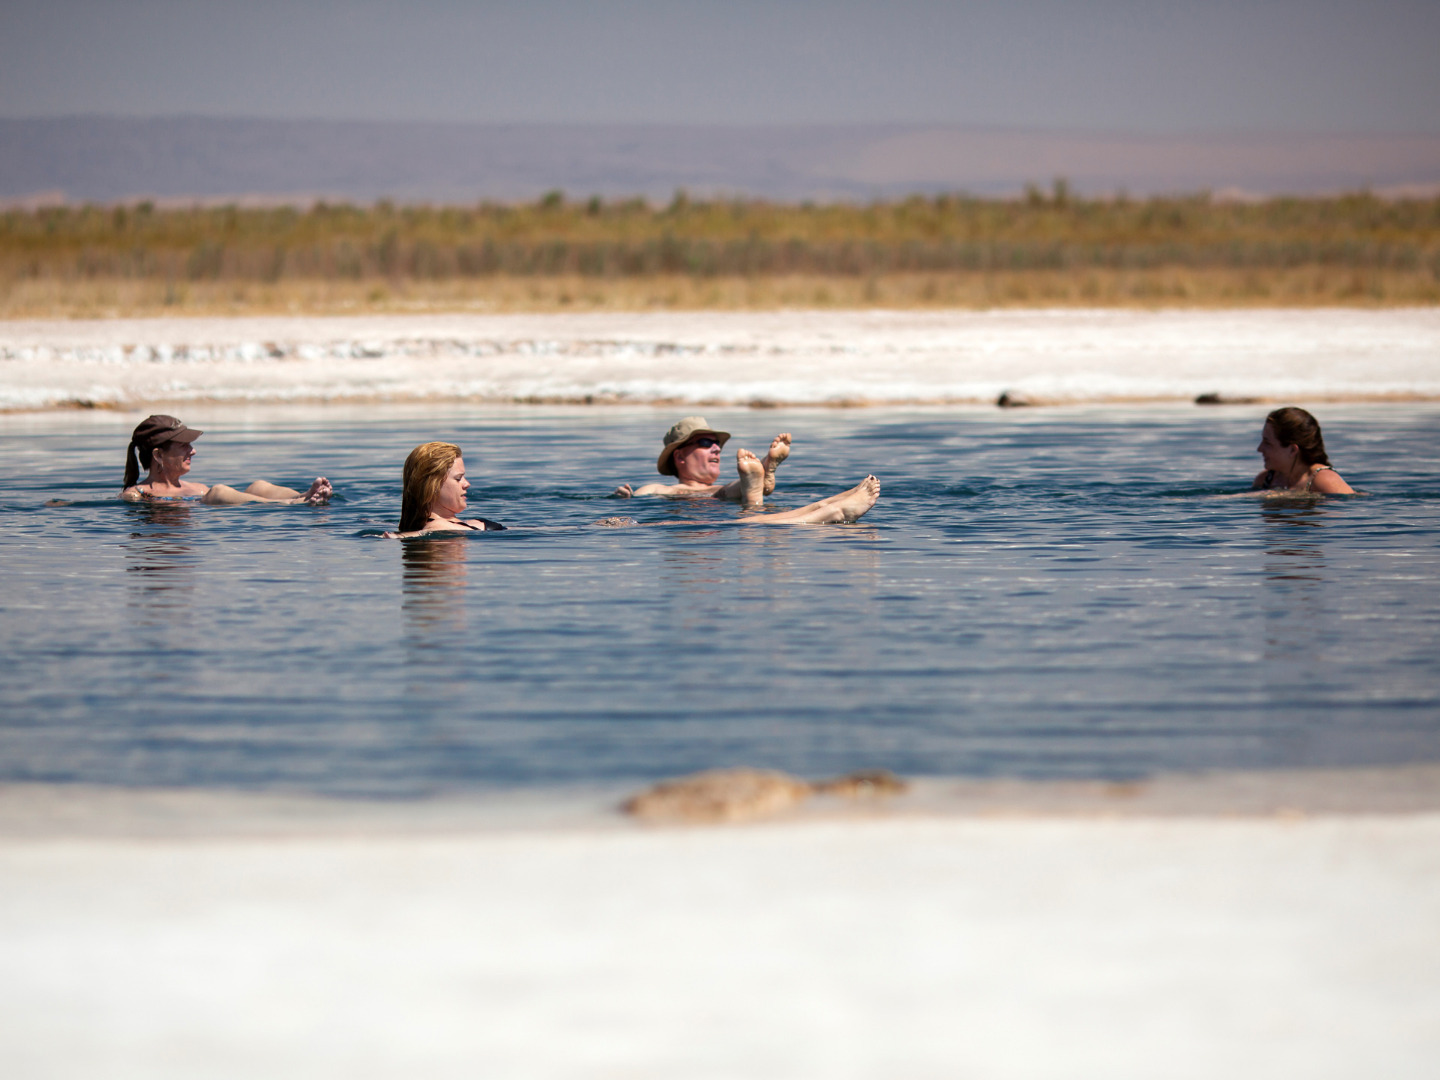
(670, 491)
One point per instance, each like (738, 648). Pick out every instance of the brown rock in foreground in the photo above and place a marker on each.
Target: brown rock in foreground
(740, 794)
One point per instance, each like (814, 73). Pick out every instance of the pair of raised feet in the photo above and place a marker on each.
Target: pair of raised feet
(757, 475)
(319, 492)
(757, 479)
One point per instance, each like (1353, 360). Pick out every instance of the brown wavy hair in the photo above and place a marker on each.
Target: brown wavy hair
(1296, 427)
(425, 471)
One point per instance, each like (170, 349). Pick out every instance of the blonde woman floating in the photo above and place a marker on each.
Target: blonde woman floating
(165, 447)
(434, 491)
(691, 454)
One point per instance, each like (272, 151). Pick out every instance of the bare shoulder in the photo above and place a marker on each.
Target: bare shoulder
(1330, 482)
(132, 494)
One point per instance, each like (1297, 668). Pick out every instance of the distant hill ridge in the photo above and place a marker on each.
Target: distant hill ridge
(111, 159)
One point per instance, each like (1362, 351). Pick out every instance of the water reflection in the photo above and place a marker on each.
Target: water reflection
(432, 602)
(1297, 614)
(775, 568)
(160, 560)
(689, 567)
(1292, 548)
(433, 589)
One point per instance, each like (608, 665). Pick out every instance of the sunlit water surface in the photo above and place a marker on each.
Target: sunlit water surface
(1074, 593)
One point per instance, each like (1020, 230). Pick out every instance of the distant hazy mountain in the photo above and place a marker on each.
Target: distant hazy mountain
(106, 159)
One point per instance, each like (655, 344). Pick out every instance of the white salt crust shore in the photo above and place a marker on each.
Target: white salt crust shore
(1188, 927)
(732, 358)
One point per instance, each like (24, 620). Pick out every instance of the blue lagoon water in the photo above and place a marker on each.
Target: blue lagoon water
(1074, 592)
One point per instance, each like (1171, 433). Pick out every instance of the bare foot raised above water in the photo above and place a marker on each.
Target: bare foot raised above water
(779, 451)
(262, 491)
(856, 502)
(319, 493)
(847, 506)
(752, 478)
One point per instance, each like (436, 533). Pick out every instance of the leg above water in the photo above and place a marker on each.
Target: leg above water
(847, 506)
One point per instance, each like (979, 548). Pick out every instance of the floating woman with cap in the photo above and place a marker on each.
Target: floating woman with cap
(164, 447)
(691, 454)
(1294, 454)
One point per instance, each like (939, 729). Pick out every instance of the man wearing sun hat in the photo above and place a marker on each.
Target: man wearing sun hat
(690, 452)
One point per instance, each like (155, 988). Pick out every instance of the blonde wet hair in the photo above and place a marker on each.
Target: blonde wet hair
(425, 472)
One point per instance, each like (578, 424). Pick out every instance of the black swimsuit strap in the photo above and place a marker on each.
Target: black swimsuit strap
(486, 525)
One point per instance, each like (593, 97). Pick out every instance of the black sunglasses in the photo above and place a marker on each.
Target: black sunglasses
(705, 442)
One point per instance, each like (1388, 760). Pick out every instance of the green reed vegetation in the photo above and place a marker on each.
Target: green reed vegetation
(1368, 249)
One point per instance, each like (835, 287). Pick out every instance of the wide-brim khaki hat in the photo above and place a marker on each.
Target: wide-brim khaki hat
(682, 433)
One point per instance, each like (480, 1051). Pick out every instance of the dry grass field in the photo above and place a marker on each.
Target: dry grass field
(1049, 249)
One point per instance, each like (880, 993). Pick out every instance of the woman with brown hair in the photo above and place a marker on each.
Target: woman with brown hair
(434, 493)
(165, 448)
(1294, 454)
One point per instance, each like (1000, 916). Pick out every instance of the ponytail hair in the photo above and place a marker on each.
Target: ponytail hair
(1296, 427)
(425, 472)
(136, 458)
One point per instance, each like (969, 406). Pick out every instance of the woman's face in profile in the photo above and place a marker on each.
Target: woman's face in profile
(1276, 456)
(451, 499)
(175, 458)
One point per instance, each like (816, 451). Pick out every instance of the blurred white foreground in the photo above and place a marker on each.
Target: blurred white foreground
(729, 357)
(942, 947)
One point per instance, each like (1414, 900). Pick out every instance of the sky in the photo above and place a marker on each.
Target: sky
(1316, 66)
